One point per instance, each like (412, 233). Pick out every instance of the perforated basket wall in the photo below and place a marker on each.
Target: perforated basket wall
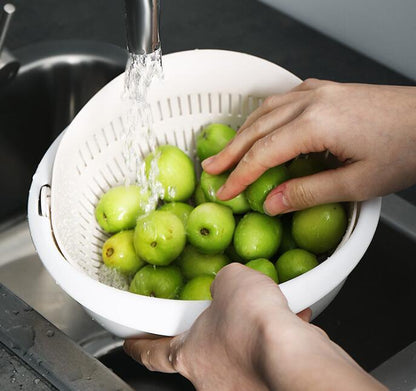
(199, 87)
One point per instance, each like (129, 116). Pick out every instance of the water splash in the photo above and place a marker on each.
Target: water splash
(141, 71)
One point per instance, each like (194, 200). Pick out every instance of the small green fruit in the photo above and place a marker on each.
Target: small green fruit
(256, 193)
(210, 227)
(319, 229)
(264, 266)
(212, 139)
(159, 237)
(118, 253)
(174, 170)
(180, 209)
(293, 263)
(199, 288)
(120, 206)
(193, 263)
(257, 236)
(210, 184)
(199, 196)
(164, 282)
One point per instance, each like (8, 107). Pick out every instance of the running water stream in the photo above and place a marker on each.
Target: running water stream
(141, 71)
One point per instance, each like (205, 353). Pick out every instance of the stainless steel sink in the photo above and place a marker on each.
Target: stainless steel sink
(369, 317)
(54, 81)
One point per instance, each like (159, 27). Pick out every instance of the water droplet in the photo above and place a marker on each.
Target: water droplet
(50, 333)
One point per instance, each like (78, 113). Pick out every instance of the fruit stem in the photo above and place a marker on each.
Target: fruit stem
(204, 231)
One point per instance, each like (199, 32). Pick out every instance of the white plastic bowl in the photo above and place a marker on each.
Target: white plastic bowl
(125, 314)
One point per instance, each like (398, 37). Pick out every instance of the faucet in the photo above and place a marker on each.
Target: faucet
(8, 63)
(142, 26)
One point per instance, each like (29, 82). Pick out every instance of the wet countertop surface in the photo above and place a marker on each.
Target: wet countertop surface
(372, 317)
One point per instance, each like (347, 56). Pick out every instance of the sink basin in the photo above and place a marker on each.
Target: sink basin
(54, 82)
(369, 317)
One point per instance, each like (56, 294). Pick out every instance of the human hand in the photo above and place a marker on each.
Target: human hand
(248, 339)
(370, 129)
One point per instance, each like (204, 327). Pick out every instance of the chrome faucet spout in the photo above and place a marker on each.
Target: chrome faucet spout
(8, 63)
(142, 25)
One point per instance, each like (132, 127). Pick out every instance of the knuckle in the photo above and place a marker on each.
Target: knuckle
(310, 82)
(256, 128)
(320, 331)
(177, 361)
(254, 155)
(226, 272)
(270, 102)
(301, 196)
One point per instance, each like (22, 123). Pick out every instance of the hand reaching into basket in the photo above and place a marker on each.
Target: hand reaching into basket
(370, 129)
(248, 339)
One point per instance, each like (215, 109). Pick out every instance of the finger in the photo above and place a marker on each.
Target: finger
(154, 354)
(270, 103)
(305, 315)
(274, 149)
(342, 184)
(266, 124)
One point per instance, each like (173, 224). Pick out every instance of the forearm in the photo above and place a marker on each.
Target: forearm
(311, 361)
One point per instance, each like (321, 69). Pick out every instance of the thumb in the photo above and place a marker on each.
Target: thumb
(346, 183)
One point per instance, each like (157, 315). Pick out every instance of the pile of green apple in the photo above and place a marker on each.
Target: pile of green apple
(175, 249)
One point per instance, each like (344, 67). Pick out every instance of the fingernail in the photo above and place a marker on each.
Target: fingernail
(208, 161)
(275, 203)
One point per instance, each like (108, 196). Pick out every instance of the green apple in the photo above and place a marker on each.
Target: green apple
(293, 263)
(180, 209)
(119, 207)
(212, 139)
(319, 229)
(210, 227)
(159, 237)
(287, 243)
(164, 282)
(264, 266)
(303, 166)
(257, 236)
(256, 193)
(199, 288)
(193, 263)
(210, 185)
(199, 196)
(172, 168)
(118, 253)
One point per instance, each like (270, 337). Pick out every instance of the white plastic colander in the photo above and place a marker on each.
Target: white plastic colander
(199, 87)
